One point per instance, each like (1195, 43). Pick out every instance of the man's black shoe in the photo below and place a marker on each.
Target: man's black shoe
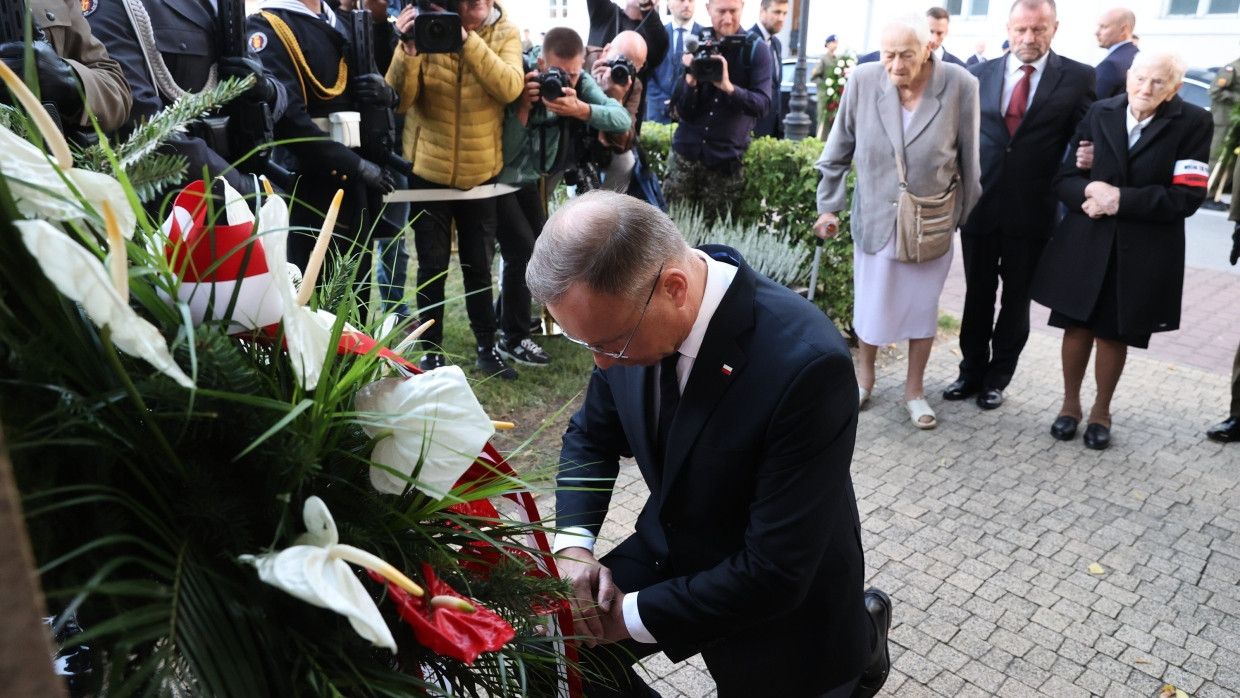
(1097, 437)
(878, 605)
(493, 364)
(960, 390)
(990, 398)
(1225, 431)
(431, 361)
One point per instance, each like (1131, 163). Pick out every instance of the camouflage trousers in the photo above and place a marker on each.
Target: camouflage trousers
(693, 184)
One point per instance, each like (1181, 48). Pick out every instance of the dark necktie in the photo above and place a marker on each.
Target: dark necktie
(680, 44)
(669, 399)
(777, 69)
(1019, 101)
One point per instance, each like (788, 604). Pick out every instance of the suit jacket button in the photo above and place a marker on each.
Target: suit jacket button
(658, 566)
(50, 15)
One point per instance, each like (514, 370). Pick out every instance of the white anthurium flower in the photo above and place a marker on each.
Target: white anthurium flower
(432, 417)
(40, 192)
(81, 276)
(307, 333)
(316, 570)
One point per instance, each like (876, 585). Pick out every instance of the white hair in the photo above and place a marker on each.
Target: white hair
(914, 23)
(1165, 60)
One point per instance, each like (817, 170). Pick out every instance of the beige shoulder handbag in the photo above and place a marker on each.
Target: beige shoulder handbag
(924, 224)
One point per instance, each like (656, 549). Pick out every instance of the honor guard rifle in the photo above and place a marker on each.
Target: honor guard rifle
(250, 123)
(378, 122)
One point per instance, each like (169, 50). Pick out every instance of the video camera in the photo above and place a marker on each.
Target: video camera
(704, 67)
(434, 31)
(622, 70)
(551, 83)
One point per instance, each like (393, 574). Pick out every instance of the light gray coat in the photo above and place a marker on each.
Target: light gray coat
(941, 143)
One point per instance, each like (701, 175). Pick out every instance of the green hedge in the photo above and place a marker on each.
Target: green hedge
(780, 194)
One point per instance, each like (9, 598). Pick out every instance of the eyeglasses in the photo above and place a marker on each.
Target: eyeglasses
(620, 354)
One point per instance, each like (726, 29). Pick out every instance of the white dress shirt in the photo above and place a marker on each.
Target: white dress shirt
(1014, 74)
(1135, 127)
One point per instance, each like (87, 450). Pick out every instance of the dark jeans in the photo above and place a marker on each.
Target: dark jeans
(475, 237)
(521, 220)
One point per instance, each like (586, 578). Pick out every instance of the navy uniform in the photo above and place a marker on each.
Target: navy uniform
(81, 55)
(307, 52)
(184, 37)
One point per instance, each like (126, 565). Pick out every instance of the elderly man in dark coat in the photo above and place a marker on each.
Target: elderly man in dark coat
(1113, 272)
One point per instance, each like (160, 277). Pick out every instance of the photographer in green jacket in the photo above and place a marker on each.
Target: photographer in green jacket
(559, 98)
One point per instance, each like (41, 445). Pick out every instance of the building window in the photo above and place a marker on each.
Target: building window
(559, 9)
(967, 8)
(1194, 8)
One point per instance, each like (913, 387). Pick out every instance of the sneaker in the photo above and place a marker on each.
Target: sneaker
(431, 362)
(490, 362)
(524, 352)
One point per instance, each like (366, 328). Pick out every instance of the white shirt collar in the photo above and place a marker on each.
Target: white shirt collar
(938, 52)
(1115, 46)
(1132, 123)
(1014, 64)
(719, 277)
(299, 8)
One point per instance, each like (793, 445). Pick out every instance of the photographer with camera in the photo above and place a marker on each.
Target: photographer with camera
(559, 95)
(615, 68)
(453, 101)
(607, 20)
(168, 48)
(726, 89)
(305, 45)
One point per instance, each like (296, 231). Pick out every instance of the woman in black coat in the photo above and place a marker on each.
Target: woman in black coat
(1113, 272)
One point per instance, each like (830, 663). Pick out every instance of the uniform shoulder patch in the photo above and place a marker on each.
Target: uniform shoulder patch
(88, 7)
(258, 40)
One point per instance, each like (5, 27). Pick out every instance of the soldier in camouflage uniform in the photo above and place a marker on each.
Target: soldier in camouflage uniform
(1224, 93)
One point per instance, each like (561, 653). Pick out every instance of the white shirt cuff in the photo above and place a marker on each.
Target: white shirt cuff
(573, 537)
(633, 620)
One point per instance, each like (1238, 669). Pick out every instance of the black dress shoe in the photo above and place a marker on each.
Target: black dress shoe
(1097, 437)
(878, 605)
(989, 398)
(1064, 427)
(960, 390)
(1225, 431)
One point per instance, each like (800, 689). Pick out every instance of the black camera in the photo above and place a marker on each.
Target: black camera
(585, 176)
(622, 70)
(704, 67)
(434, 31)
(551, 83)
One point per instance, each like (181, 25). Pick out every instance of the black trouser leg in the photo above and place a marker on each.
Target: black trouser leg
(515, 234)
(980, 254)
(1018, 259)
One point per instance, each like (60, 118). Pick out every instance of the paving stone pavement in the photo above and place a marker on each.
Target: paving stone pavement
(983, 532)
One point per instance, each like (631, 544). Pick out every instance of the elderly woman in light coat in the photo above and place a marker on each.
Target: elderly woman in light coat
(912, 106)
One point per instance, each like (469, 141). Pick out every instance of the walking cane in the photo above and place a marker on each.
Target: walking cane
(813, 273)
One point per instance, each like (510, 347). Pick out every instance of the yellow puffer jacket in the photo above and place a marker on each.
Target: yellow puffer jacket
(455, 104)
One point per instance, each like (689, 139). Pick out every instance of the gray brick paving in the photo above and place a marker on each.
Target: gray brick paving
(983, 530)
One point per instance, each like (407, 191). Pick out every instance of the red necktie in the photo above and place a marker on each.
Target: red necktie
(1018, 102)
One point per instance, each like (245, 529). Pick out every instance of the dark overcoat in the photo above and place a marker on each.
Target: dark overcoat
(1160, 185)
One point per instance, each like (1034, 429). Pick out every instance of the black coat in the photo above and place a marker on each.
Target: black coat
(1017, 170)
(1113, 71)
(1147, 233)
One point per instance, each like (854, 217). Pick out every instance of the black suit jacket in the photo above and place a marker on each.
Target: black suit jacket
(1113, 71)
(772, 124)
(751, 521)
(1017, 170)
(1148, 232)
(973, 60)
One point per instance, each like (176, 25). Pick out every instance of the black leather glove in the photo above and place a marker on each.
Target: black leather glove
(57, 80)
(242, 67)
(372, 89)
(375, 177)
(1235, 245)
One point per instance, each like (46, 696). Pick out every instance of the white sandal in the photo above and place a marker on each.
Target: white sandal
(918, 408)
(863, 398)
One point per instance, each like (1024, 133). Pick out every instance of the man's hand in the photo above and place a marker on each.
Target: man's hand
(57, 80)
(602, 75)
(687, 61)
(568, 105)
(1235, 245)
(1085, 155)
(724, 82)
(827, 226)
(404, 26)
(1101, 198)
(592, 596)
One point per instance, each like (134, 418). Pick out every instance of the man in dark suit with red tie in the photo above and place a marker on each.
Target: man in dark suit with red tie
(1031, 100)
(737, 400)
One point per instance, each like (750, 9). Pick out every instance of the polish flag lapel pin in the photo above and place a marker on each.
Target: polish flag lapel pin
(727, 370)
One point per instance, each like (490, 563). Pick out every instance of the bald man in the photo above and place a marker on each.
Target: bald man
(619, 145)
(1114, 33)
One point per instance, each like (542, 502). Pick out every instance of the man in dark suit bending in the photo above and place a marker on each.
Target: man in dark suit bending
(738, 402)
(1031, 100)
